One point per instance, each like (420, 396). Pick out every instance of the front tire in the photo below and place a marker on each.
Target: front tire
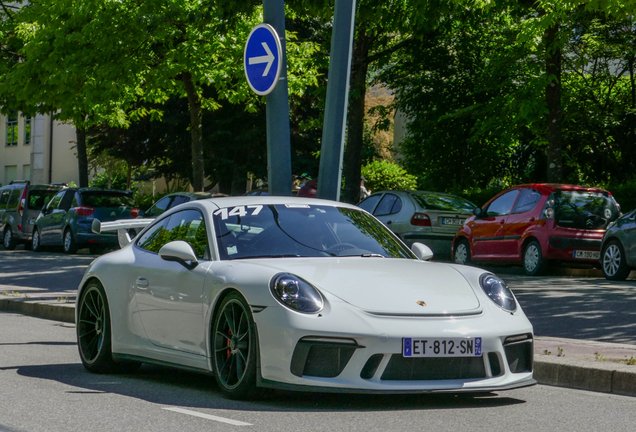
(533, 262)
(9, 242)
(614, 264)
(234, 346)
(70, 247)
(462, 253)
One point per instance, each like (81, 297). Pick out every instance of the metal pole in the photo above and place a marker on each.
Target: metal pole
(333, 131)
(278, 141)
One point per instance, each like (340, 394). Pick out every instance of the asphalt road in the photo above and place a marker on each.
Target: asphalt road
(45, 388)
(575, 307)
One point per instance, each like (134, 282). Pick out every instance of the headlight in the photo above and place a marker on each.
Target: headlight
(295, 293)
(498, 292)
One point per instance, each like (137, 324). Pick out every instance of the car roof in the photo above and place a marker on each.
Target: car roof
(551, 187)
(242, 200)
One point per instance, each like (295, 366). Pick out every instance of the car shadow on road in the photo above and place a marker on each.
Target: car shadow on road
(174, 387)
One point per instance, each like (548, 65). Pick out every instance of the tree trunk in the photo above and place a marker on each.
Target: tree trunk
(196, 133)
(128, 175)
(553, 101)
(82, 160)
(355, 133)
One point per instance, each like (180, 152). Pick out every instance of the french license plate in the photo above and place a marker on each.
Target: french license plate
(452, 221)
(441, 347)
(583, 254)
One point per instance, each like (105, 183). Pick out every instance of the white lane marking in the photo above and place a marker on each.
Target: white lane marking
(208, 416)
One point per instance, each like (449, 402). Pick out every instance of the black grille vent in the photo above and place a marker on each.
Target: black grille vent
(519, 356)
(433, 369)
(495, 366)
(321, 359)
(371, 366)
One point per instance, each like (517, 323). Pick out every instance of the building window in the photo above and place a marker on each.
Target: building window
(10, 173)
(27, 130)
(12, 129)
(26, 172)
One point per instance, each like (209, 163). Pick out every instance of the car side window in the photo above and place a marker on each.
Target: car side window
(502, 205)
(386, 205)
(528, 199)
(14, 198)
(4, 198)
(187, 225)
(159, 207)
(179, 199)
(369, 203)
(55, 201)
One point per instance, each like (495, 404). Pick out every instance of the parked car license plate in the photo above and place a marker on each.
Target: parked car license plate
(452, 221)
(583, 254)
(441, 347)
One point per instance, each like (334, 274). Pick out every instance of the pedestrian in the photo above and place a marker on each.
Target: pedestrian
(364, 193)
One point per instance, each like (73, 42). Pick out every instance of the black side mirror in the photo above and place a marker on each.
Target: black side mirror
(141, 213)
(477, 211)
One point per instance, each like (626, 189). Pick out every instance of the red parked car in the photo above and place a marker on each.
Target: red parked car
(536, 224)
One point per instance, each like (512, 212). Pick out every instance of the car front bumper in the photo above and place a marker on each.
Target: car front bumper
(363, 352)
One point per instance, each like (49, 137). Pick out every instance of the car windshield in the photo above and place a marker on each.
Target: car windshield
(106, 199)
(444, 202)
(300, 230)
(584, 210)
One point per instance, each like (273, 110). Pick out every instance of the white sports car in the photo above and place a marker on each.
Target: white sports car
(300, 294)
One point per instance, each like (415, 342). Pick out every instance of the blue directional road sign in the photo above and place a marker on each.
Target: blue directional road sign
(262, 59)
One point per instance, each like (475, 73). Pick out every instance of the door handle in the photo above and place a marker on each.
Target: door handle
(532, 219)
(389, 222)
(142, 283)
(501, 222)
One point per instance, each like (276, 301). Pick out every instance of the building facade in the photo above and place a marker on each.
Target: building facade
(37, 149)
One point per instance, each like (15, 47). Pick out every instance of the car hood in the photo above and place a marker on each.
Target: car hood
(387, 286)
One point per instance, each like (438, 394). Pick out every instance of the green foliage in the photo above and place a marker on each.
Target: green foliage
(624, 194)
(386, 175)
(118, 181)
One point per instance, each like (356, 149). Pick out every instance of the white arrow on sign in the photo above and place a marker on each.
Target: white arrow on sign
(269, 59)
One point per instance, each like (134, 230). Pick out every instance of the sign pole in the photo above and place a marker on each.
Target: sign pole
(333, 131)
(278, 141)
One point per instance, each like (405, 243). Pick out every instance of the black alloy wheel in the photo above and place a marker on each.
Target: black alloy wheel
(234, 346)
(10, 242)
(613, 261)
(93, 330)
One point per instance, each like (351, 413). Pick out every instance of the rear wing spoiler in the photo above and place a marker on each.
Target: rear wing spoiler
(121, 226)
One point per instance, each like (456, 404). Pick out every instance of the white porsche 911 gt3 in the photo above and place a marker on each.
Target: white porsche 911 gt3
(300, 294)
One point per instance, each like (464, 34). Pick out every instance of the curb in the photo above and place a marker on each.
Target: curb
(605, 377)
(48, 309)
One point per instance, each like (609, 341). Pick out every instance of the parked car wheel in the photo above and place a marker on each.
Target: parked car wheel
(9, 240)
(462, 253)
(234, 343)
(533, 262)
(35, 241)
(70, 247)
(614, 263)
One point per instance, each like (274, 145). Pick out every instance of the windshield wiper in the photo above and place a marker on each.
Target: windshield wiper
(269, 256)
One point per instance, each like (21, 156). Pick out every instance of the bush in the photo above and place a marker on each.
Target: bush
(624, 194)
(118, 181)
(386, 175)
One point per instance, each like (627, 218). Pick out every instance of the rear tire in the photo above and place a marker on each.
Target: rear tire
(36, 241)
(69, 245)
(9, 242)
(94, 333)
(614, 264)
(533, 262)
(461, 254)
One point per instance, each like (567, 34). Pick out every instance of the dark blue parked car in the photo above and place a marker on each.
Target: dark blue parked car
(66, 220)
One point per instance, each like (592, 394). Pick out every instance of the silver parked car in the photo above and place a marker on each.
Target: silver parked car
(618, 250)
(431, 218)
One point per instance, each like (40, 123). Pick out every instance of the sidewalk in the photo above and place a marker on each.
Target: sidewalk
(573, 363)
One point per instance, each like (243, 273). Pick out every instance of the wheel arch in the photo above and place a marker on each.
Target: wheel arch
(81, 289)
(212, 314)
(526, 242)
(457, 240)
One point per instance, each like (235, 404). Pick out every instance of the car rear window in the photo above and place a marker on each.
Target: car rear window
(36, 199)
(584, 210)
(444, 202)
(106, 199)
